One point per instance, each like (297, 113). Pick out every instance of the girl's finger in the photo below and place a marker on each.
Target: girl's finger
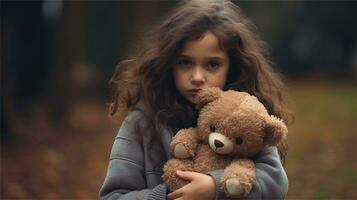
(187, 175)
(175, 194)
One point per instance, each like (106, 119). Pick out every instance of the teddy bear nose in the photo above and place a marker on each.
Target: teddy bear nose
(218, 143)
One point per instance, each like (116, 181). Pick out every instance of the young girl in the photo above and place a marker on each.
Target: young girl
(202, 43)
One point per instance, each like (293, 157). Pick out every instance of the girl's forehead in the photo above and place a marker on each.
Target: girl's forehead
(207, 44)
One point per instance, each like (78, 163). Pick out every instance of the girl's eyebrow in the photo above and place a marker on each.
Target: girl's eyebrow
(210, 57)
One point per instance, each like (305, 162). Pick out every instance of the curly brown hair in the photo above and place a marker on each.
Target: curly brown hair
(148, 75)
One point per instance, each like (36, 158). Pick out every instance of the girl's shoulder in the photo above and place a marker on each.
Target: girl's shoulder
(133, 126)
(137, 117)
(140, 124)
(137, 114)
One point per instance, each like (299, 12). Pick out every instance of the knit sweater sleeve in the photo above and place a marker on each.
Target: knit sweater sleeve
(271, 179)
(125, 177)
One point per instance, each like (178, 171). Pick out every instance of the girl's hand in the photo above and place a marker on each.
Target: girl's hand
(201, 186)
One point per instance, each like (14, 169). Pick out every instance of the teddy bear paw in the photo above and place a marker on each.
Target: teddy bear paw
(181, 152)
(234, 188)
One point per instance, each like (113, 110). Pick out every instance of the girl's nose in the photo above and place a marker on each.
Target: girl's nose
(198, 78)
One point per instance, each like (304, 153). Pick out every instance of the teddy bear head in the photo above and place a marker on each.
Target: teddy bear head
(236, 123)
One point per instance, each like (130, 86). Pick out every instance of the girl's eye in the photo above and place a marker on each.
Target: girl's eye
(213, 65)
(184, 62)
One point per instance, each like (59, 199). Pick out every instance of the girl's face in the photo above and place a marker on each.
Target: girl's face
(201, 63)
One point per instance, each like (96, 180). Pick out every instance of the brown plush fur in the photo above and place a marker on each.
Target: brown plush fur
(239, 121)
(170, 169)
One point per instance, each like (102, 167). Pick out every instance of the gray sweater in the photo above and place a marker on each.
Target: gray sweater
(135, 166)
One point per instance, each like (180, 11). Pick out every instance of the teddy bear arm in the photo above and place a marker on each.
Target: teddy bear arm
(238, 178)
(184, 143)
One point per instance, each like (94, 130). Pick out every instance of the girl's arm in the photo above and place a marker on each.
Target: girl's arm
(271, 180)
(126, 173)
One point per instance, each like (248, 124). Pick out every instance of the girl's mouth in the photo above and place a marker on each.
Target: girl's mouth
(194, 90)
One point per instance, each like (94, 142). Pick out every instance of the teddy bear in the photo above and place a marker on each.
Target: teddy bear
(231, 127)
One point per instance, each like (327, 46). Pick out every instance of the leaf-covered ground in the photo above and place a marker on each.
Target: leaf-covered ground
(69, 160)
(321, 160)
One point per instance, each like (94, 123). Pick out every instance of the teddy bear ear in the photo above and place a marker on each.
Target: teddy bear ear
(207, 95)
(275, 131)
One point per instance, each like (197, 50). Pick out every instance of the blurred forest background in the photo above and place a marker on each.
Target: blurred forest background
(57, 57)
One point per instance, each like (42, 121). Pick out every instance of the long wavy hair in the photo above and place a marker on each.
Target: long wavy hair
(147, 76)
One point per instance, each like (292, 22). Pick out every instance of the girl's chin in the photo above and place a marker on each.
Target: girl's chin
(191, 98)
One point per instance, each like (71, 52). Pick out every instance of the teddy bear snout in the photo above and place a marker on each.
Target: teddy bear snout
(220, 143)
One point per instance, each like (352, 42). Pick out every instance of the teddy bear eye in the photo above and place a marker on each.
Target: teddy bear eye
(212, 128)
(239, 140)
